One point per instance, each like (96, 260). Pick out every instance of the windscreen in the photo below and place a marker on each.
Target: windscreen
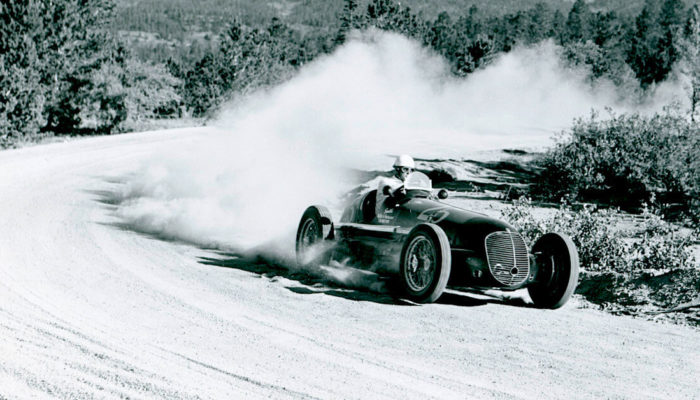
(417, 180)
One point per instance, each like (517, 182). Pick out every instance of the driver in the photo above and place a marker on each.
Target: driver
(403, 166)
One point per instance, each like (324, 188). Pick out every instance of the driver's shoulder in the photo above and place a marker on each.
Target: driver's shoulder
(391, 181)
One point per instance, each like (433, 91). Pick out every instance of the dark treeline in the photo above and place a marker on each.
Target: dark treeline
(644, 48)
(64, 69)
(63, 73)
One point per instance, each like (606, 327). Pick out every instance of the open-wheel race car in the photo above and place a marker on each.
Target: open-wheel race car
(429, 245)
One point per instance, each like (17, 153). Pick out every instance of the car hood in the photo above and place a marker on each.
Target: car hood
(466, 229)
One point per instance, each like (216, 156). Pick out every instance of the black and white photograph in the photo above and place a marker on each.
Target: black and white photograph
(349, 199)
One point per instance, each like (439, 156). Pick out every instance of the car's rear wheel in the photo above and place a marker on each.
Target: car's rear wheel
(315, 225)
(425, 263)
(558, 266)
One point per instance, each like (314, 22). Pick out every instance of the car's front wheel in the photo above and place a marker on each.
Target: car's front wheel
(558, 265)
(425, 263)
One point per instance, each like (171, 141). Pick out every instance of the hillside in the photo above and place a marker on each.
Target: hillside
(173, 18)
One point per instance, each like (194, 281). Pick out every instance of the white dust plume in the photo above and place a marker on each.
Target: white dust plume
(280, 150)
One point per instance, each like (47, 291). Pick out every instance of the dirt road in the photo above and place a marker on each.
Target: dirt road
(91, 310)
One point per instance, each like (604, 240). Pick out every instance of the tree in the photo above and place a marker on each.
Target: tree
(605, 28)
(578, 23)
(50, 52)
(75, 45)
(391, 16)
(350, 20)
(538, 23)
(21, 97)
(641, 56)
(670, 22)
(689, 45)
(441, 35)
(246, 59)
(380, 12)
(479, 52)
(204, 86)
(150, 91)
(558, 25)
(653, 52)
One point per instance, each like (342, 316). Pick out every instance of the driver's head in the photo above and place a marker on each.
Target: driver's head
(403, 166)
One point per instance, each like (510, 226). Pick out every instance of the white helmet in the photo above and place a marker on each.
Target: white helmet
(404, 160)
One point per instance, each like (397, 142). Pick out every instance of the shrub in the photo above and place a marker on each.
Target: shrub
(650, 264)
(151, 91)
(654, 245)
(626, 161)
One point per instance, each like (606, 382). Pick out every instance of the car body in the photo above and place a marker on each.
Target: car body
(429, 244)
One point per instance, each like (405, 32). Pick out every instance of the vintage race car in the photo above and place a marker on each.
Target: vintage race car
(429, 245)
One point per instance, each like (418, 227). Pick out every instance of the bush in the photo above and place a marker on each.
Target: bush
(626, 161)
(650, 264)
(600, 246)
(151, 91)
(654, 245)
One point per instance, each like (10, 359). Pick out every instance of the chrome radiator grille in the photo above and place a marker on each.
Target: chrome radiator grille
(507, 256)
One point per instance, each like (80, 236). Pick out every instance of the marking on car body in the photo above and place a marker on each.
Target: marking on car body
(434, 215)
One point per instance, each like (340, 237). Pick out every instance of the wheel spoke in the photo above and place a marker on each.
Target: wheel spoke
(309, 233)
(420, 263)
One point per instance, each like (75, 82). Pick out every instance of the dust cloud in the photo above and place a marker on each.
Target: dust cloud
(279, 150)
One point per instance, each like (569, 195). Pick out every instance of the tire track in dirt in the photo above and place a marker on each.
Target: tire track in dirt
(91, 310)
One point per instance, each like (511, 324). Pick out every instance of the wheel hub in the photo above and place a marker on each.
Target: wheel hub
(421, 263)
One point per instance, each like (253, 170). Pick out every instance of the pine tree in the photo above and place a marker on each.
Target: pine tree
(642, 56)
(604, 27)
(538, 23)
(558, 27)
(381, 11)
(689, 46)
(669, 21)
(53, 48)
(21, 96)
(349, 20)
(577, 26)
(478, 53)
(204, 86)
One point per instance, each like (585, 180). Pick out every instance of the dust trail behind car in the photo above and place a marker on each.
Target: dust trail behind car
(276, 151)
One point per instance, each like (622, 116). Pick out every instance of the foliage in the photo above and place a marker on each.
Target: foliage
(652, 50)
(689, 47)
(600, 246)
(246, 59)
(654, 245)
(615, 46)
(50, 51)
(151, 91)
(75, 48)
(22, 97)
(102, 105)
(652, 264)
(578, 24)
(63, 72)
(55, 54)
(627, 161)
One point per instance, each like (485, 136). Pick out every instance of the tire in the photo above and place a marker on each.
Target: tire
(314, 227)
(426, 262)
(558, 265)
